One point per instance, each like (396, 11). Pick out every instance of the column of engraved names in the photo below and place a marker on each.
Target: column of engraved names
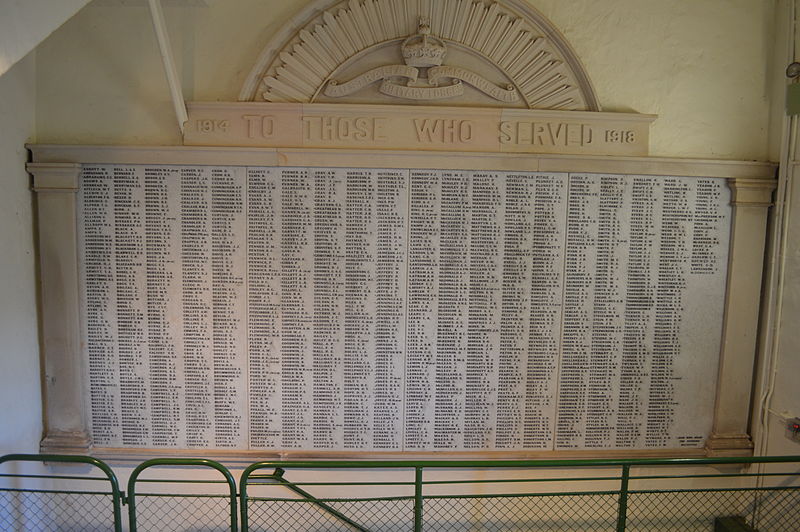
(161, 212)
(606, 312)
(390, 302)
(530, 321)
(129, 252)
(228, 298)
(452, 311)
(264, 306)
(515, 308)
(707, 241)
(580, 249)
(329, 307)
(359, 325)
(673, 268)
(195, 249)
(544, 329)
(297, 303)
(485, 296)
(639, 313)
(701, 329)
(98, 273)
(422, 315)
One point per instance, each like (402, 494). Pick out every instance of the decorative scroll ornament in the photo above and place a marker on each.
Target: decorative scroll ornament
(528, 61)
(423, 54)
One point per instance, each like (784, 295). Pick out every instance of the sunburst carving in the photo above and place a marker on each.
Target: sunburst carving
(514, 38)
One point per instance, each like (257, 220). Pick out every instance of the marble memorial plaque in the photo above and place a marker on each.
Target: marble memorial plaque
(369, 309)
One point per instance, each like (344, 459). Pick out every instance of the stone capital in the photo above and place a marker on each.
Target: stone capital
(55, 177)
(752, 192)
(729, 445)
(66, 442)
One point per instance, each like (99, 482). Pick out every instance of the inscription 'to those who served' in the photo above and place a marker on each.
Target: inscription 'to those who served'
(428, 130)
(404, 128)
(452, 131)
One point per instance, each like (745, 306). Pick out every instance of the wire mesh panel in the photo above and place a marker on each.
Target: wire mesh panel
(567, 512)
(46, 511)
(374, 500)
(404, 496)
(452, 496)
(268, 515)
(177, 502)
(776, 510)
(693, 500)
(45, 493)
(686, 510)
(380, 515)
(300, 515)
(182, 513)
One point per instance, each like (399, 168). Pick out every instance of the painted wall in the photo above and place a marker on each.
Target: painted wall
(700, 65)
(26, 23)
(785, 399)
(20, 396)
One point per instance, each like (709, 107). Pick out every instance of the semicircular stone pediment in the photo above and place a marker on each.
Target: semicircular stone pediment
(448, 52)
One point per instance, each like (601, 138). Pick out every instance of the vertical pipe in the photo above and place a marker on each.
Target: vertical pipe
(169, 63)
(777, 259)
(622, 512)
(418, 499)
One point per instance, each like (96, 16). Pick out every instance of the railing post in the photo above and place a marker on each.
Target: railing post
(117, 496)
(623, 498)
(243, 496)
(232, 495)
(417, 499)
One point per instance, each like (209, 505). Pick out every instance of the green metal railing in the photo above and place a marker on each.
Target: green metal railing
(492, 495)
(617, 499)
(171, 510)
(30, 501)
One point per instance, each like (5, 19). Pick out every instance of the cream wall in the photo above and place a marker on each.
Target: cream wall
(701, 65)
(26, 23)
(779, 328)
(20, 396)
(786, 397)
(698, 64)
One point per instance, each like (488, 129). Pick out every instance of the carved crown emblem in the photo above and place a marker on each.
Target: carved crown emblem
(423, 49)
(422, 77)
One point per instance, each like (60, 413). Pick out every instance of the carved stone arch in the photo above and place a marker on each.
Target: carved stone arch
(504, 45)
